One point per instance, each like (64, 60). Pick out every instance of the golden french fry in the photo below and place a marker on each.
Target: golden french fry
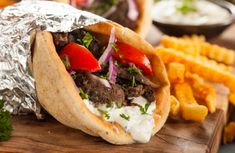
(217, 53)
(180, 45)
(232, 98)
(194, 112)
(175, 106)
(190, 109)
(195, 65)
(194, 38)
(197, 46)
(202, 91)
(176, 72)
(6, 3)
(229, 133)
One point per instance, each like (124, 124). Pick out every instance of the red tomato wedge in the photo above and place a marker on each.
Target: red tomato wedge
(77, 2)
(79, 58)
(81, 2)
(128, 54)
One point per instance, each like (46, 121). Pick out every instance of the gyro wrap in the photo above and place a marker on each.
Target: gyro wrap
(18, 24)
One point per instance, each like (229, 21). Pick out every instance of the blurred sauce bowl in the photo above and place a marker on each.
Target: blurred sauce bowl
(208, 30)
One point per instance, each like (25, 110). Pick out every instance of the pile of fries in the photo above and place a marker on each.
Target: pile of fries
(4, 3)
(191, 63)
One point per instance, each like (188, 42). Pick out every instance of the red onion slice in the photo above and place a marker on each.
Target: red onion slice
(109, 12)
(73, 3)
(89, 2)
(133, 12)
(112, 71)
(109, 50)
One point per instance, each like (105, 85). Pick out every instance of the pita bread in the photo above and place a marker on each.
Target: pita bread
(58, 94)
(144, 21)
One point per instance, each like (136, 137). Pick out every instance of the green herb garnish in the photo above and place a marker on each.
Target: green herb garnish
(65, 60)
(74, 75)
(155, 1)
(133, 82)
(133, 69)
(187, 6)
(116, 63)
(126, 117)
(104, 113)
(109, 105)
(119, 105)
(104, 76)
(5, 123)
(101, 7)
(114, 46)
(83, 94)
(87, 39)
(144, 109)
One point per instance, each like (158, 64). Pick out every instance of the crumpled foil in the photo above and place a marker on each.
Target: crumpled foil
(18, 25)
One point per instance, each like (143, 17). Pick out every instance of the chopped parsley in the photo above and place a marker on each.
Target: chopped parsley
(86, 40)
(65, 60)
(155, 1)
(5, 123)
(133, 82)
(119, 105)
(101, 7)
(187, 6)
(104, 113)
(109, 105)
(114, 46)
(116, 63)
(144, 109)
(133, 69)
(126, 117)
(74, 75)
(83, 94)
(104, 76)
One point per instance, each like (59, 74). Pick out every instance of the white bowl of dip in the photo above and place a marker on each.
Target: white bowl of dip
(209, 18)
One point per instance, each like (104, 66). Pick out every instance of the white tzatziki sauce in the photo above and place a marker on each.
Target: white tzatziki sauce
(136, 121)
(205, 13)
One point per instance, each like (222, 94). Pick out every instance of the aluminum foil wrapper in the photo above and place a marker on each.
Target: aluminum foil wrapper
(18, 25)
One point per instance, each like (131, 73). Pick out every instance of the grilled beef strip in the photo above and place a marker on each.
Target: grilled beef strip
(123, 91)
(97, 91)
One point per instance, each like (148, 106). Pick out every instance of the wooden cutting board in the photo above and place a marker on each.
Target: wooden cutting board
(176, 136)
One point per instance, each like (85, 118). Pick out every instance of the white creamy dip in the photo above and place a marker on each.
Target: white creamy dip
(139, 125)
(206, 13)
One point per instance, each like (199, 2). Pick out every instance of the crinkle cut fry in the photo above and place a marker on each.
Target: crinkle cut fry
(196, 47)
(180, 45)
(175, 106)
(190, 109)
(229, 133)
(204, 69)
(176, 72)
(202, 91)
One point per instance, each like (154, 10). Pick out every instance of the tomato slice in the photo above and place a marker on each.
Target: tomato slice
(81, 2)
(77, 2)
(129, 54)
(79, 58)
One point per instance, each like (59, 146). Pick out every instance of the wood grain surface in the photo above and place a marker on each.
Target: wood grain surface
(177, 136)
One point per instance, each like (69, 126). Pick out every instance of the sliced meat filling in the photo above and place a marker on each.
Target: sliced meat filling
(79, 36)
(99, 92)
(135, 84)
(130, 82)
